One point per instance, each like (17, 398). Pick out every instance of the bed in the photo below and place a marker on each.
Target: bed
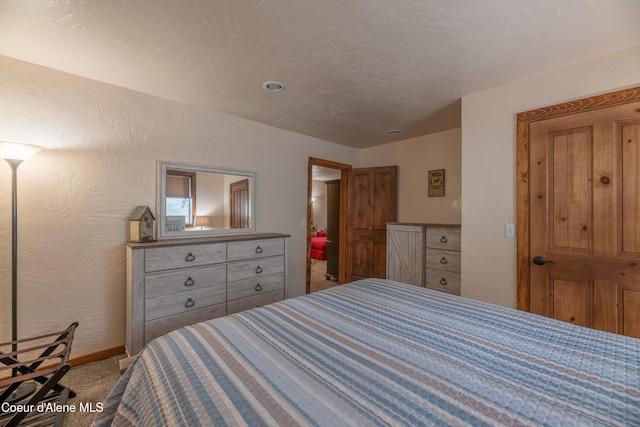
(378, 352)
(319, 246)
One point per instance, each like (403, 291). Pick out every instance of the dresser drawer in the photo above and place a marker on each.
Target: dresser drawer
(251, 287)
(169, 282)
(255, 301)
(155, 328)
(255, 268)
(443, 238)
(157, 259)
(443, 260)
(252, 249)
(446, 281)
(183, 302)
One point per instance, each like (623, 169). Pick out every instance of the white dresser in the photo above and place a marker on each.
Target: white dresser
(174, 283)
(424, 255)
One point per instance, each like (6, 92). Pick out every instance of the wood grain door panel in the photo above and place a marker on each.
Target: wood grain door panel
(361, 201)
(570, 209)
(572, 300)
(385, 199)
(361, 261)
(380, 257)
(629, 313)
(628, 141)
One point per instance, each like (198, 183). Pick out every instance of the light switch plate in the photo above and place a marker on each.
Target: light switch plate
(509, 230)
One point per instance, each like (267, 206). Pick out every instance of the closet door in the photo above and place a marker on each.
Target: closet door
(584, 199)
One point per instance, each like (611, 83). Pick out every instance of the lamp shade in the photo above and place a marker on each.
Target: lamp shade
(17, 151)
(201, 221)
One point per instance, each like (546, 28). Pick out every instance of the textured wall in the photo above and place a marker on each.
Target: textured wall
(415, 157)
(103, 143)
(489, 163)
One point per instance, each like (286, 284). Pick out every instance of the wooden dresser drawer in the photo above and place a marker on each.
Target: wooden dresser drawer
(443, 238)
(446, 281)
(155, 328)
(251, 287)
(157, 259)
(169, 282)
(252, 249)
(255, 268)
(443, 260)
(255, 301)
(183, 302)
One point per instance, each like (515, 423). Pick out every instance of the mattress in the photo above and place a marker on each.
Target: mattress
(378, 352)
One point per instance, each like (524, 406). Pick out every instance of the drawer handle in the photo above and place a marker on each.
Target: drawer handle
(190, 303)
(259, 250)
(258, 287)
(443, 239)
(443, 281)
(190, 257)
(259, 270)
(189, 282)
(443, 260)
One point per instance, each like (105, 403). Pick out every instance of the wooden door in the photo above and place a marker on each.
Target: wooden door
(584, 221)
(372, 203)
(239, 194)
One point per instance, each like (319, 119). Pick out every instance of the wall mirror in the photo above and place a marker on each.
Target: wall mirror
(198, 201)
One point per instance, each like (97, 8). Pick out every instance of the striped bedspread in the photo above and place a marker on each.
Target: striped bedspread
(377, 352)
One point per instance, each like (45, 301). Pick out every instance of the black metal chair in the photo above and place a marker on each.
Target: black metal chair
(42, 361)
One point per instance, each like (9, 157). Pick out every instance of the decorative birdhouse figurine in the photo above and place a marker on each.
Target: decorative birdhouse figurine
(141, 225)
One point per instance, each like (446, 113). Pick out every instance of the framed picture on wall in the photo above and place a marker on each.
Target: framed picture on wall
(436, 183)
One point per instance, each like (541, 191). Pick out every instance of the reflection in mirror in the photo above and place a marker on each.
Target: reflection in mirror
(195, 201)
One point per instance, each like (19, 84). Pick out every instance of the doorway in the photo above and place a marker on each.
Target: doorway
(326, 215)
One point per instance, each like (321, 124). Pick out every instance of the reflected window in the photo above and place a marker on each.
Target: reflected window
(181, 195)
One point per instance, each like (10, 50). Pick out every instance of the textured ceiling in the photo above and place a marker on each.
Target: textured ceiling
(353, 69)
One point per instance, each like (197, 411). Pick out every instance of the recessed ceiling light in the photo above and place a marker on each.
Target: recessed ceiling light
(273, 86)
(394, 132)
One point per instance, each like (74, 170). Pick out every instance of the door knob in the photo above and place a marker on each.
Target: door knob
(538, 260)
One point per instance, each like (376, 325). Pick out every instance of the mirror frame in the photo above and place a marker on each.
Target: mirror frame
(161, 201)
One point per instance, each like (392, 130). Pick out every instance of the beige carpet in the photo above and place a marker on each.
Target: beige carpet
(91, 382)
(319, 280)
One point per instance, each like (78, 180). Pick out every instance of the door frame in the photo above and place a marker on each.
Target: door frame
(523, 121)
(344, 172)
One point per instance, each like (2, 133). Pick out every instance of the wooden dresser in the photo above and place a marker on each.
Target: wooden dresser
(424, 255)
(174, 283)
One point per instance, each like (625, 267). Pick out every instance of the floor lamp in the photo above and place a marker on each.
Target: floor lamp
(15, 153)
